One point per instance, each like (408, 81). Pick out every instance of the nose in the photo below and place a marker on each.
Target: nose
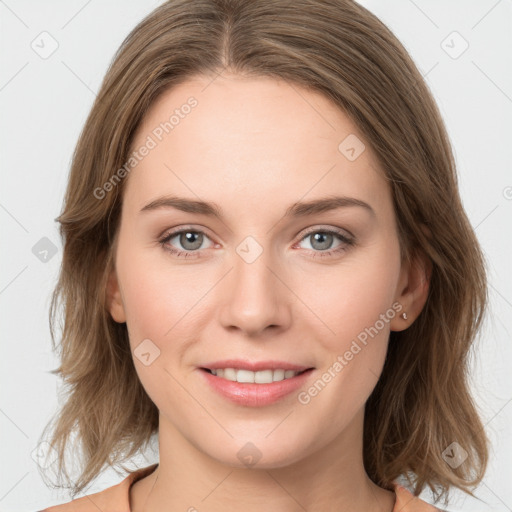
(255, 298)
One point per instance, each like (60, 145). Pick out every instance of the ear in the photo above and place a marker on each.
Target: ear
(412, 290)
(114, 300)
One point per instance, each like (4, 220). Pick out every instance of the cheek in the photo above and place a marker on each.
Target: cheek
(157, 297)
(357, 307)
(160, 317)
(351, 296)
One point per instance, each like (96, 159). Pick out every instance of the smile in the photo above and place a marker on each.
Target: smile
(259, 377)
(255, 389)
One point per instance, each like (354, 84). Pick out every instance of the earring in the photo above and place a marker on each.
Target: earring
(404, 316)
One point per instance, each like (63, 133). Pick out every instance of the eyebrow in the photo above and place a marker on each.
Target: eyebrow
(298, 209)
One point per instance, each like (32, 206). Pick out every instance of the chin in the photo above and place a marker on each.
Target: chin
(260, 454)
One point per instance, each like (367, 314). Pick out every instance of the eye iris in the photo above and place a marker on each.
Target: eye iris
(188, 237)
(322, 236)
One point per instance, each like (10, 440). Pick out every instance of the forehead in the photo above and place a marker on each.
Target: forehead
(253, 140)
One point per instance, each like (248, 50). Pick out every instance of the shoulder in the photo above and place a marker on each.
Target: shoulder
(407, 502)
(112, 499)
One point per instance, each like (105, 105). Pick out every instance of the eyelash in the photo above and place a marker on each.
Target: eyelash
(316, 254)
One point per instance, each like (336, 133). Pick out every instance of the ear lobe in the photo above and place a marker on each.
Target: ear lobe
(114, 299)
(415, 283)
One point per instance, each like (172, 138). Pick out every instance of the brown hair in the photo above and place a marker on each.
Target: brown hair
(421, 404)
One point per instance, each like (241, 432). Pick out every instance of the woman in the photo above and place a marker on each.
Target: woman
(267, 264)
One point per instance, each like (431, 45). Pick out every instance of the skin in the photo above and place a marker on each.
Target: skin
(255, 146)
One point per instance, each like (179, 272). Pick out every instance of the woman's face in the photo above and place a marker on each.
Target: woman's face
(265, 280)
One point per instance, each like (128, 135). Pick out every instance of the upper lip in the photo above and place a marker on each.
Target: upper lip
(254, 365)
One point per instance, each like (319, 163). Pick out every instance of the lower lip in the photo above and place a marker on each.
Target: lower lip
(255, 395)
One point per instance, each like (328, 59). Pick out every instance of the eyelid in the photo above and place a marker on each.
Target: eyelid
(331, 229)
(172, 232)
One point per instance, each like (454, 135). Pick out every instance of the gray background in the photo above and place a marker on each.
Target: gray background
(44, 104)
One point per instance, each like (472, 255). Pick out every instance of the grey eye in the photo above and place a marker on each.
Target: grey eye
(190, 240)
(321, 241)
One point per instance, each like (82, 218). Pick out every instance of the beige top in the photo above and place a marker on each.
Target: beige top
(117, 498)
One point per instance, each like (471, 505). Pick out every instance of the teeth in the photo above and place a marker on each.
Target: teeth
(260, 377)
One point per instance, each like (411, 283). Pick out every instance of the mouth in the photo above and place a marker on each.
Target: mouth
(266, 376)
(255, 388)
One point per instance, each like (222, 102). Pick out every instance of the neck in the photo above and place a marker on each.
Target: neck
(330, 477)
